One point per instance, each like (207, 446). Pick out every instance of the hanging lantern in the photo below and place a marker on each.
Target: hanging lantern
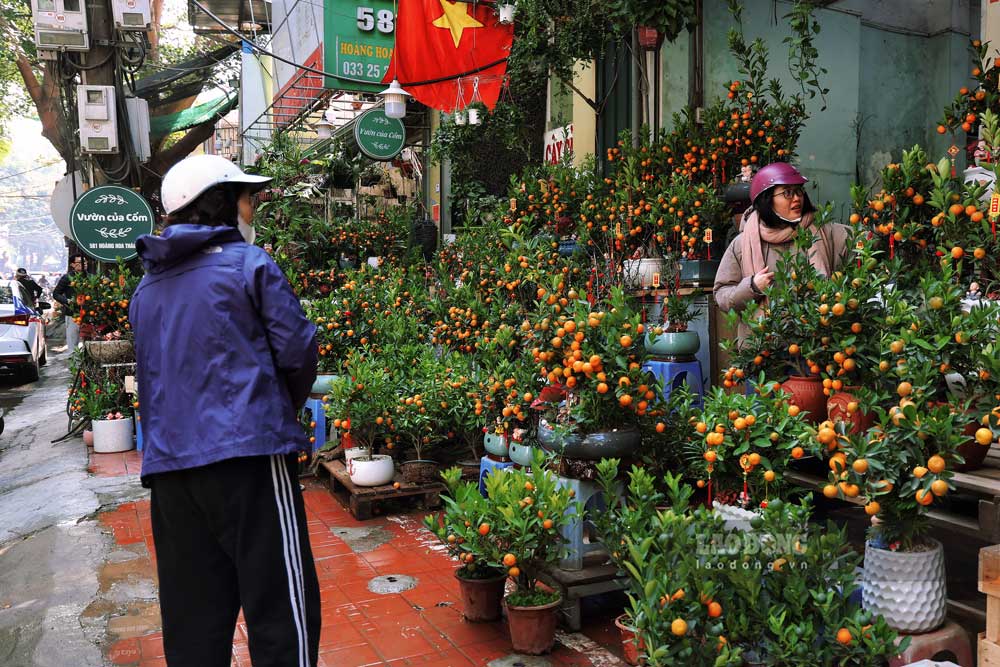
(395, 100)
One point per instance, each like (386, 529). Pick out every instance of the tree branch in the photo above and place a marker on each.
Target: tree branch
(591, 103)
(162, 161)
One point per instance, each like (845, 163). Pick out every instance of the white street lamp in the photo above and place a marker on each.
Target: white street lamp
(324, 128)
(395, 100)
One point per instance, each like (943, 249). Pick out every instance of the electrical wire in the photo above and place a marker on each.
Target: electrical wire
(313, 70)
(28, 171)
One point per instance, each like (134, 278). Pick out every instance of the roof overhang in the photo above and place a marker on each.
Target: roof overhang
(250, 17)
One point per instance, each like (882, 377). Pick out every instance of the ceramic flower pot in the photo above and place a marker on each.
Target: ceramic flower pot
(110, 351)
(354, 452)
(836, 410)
(649, 38)
(371, 471)
(420, 471)
(592, 446)
(521, 453)
(481, 598)
(496, 443)
(907, 588)
(638, 273)
(112, 435)
(631, 645)
(735, 518)
(807, 393)
(973, 453)
(505, 13)
(533, 629)
(673, 343)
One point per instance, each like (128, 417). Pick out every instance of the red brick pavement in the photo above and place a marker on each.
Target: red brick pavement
(422, 626)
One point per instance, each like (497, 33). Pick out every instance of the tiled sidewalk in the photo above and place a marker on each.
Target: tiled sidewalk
(422, 626)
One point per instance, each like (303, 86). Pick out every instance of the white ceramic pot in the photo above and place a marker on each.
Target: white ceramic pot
(638, 273)
(473, 116)
(505, 13)
(461, 117)
(736, 518)
(354, 452)
(376, 471)
(112, 435)
(907, 588)
(375, 262)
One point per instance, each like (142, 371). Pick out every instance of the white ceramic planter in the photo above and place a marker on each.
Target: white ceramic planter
(638, 273)
(473, 116)
(736, 518)
(461, 117)
(112, 435)
(377, 471)
(354, 452)
(907, 588)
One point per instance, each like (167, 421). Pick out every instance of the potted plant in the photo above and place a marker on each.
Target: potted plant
(522, 530)
(419, 414)
(596, 357)
(672, 338)
(109, 408)
(359, 403)
(481, 587)
(505, 12)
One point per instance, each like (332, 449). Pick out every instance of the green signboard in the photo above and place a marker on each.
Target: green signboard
(358, 38)
(378, 136)
(107, 220)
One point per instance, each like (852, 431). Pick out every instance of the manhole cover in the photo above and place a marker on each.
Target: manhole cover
(392, 583)
(363, 540)
(518, 660)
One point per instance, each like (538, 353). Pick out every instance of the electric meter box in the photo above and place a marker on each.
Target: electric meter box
(98, 119)
(60, 25)
(131, 14)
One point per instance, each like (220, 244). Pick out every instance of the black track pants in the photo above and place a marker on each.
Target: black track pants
(233, 534)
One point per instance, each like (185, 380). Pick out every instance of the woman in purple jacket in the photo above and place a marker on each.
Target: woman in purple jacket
(226, 358)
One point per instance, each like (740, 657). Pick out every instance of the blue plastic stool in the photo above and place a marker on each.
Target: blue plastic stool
(138, 433)
(317, 413)
(671, 374)
(486, 467)
(578, 530)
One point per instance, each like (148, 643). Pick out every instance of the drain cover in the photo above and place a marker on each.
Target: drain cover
(363, 540)
(392, 583)
(517, 660)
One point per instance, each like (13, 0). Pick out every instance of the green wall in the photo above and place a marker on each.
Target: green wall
(893, 85)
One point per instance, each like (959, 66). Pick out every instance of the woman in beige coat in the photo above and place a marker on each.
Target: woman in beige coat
(780, 208)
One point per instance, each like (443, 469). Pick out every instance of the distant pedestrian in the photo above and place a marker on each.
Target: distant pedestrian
(33, 289)
(226, 358)
(65, 295)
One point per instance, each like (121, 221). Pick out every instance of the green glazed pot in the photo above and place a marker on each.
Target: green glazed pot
(673, 344)
(323, 384)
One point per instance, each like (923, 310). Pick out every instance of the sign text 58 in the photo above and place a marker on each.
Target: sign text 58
(383, 20)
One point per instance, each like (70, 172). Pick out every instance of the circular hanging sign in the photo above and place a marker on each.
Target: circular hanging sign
(107, 220)
(378, 136)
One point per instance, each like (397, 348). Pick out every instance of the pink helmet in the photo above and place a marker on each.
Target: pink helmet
(776, 173)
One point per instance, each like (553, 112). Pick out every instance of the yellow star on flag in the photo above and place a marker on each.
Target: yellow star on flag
(456, 19)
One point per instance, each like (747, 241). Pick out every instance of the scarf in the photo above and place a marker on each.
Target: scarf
(756, 234)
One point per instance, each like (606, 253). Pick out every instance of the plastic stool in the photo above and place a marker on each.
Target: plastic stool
(591, 498)
(671, 374)
(138, 433)
(486, 467)
(949, 638)
(317, 413)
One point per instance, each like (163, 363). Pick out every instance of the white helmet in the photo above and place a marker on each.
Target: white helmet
(191, 176)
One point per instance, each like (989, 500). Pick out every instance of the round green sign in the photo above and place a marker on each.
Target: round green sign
(107, 220)
(378, 136)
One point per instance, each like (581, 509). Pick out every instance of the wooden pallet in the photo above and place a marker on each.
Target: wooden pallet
(364, 501)
(989, 585)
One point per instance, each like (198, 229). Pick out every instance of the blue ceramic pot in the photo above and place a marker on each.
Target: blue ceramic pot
(496, 444)
(591, 446)
(521, 453)
(323, 384)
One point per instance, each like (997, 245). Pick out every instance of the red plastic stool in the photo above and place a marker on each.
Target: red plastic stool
(949, 637)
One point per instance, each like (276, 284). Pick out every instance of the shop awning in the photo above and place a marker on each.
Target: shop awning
(160, 126)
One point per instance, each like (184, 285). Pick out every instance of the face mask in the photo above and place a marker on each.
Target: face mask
(246, 231)
(791, 223)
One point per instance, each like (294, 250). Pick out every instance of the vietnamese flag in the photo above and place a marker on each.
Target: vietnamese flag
(460, 42)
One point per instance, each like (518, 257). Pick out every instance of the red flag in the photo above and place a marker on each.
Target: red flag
(444, 39)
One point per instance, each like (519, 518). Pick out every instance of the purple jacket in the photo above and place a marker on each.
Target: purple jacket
(226, 357)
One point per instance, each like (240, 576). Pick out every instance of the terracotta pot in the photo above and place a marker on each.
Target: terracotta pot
(973, 453)
(88, 438)
(481, 598)
(836, 410)
(807, 393)
(631, 645)
(533, 629)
